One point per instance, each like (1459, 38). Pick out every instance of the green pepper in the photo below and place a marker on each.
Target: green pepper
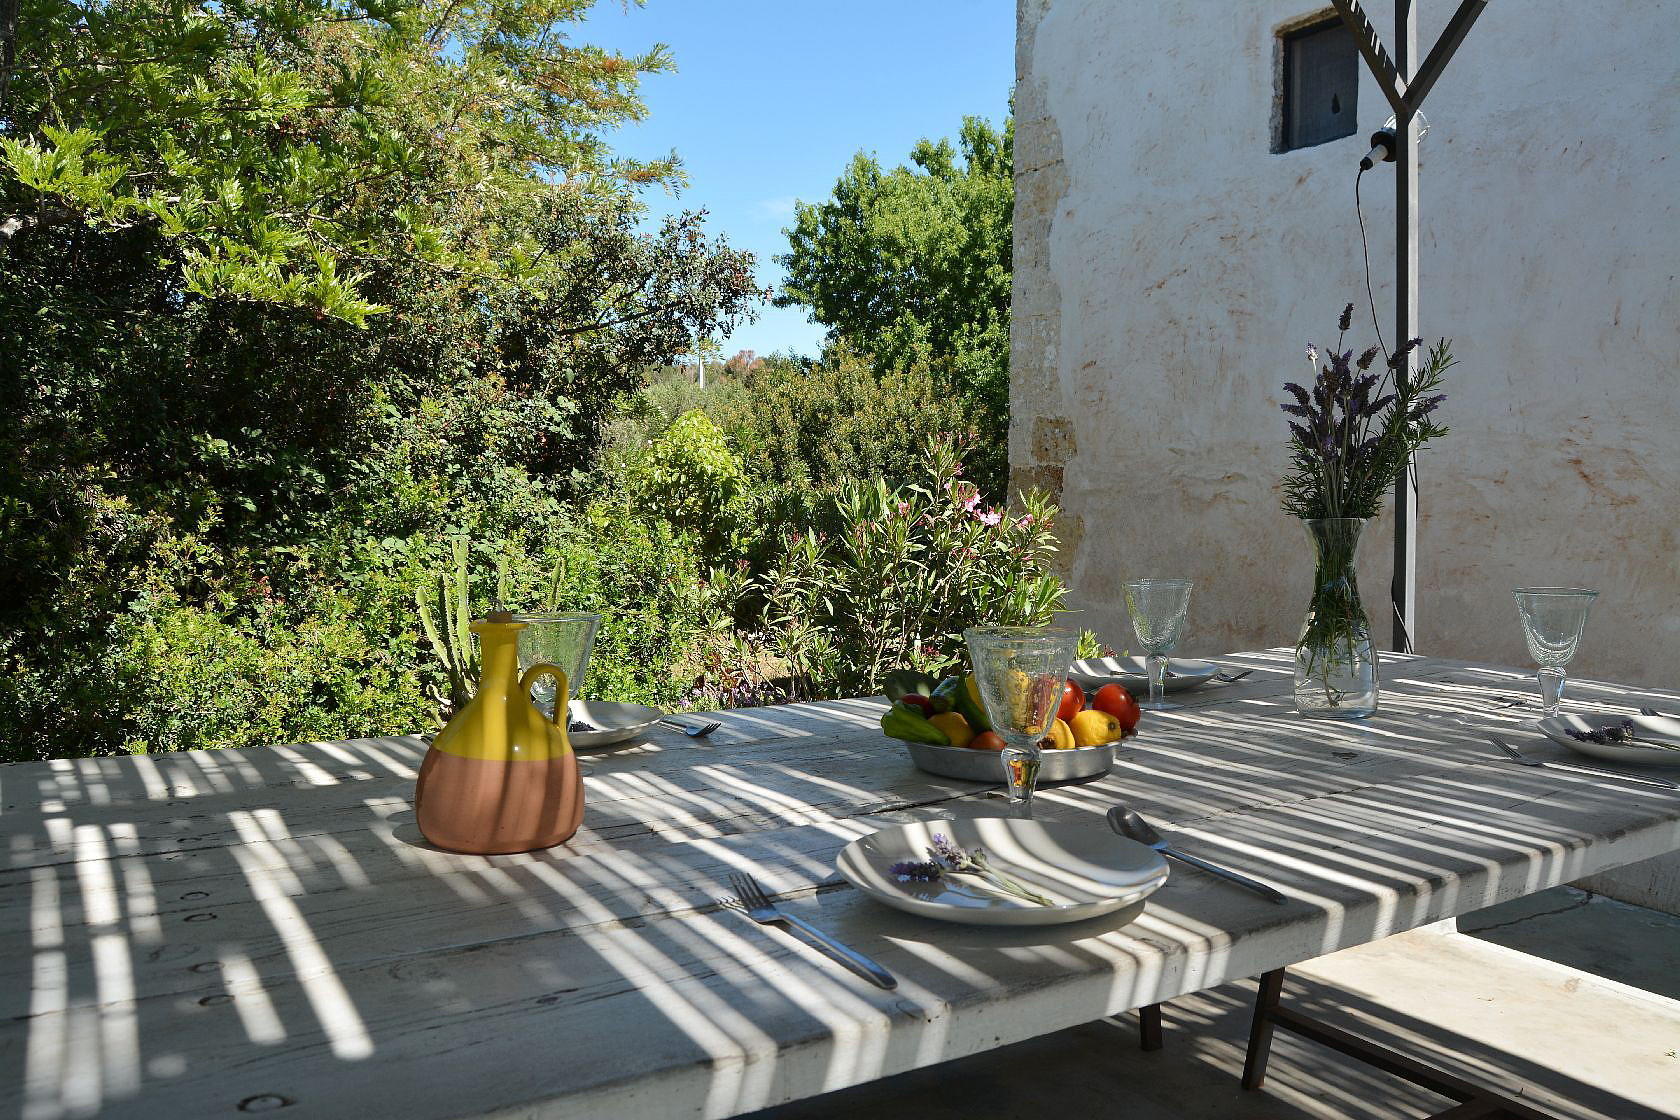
(945, 696)
(901, 682)
(904, 722)
(970, 708)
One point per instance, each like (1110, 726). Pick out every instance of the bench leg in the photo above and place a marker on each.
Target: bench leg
(1149, 1026)
(1474, 1101)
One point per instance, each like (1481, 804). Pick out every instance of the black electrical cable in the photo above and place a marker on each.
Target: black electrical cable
(1365, 250)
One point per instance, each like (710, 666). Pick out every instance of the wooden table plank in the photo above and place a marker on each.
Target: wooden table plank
(181, 935)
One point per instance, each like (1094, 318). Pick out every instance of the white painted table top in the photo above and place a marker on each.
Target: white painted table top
(216, 933)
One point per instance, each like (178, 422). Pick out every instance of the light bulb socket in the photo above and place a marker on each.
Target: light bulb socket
(1383, 147)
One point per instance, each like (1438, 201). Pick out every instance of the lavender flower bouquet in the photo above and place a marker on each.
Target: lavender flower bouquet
(1352, 434)
(969, 866)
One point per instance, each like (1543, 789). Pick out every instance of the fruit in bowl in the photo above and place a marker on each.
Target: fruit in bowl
(1112, 715)
(949, 713)
(1094, 728)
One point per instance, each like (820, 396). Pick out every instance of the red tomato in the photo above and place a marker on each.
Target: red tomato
(1117, 702)
(1073, 702)
(987, 741)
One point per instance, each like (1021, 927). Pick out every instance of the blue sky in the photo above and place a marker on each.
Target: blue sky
(771, 98)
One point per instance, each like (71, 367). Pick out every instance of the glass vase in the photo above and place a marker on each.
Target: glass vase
(1335, 663)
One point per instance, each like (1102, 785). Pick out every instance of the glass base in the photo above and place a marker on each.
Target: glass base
(1158, 706)
(1344, 711)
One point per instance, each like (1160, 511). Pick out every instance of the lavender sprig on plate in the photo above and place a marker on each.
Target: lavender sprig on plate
(1617, 734)
(946, 859)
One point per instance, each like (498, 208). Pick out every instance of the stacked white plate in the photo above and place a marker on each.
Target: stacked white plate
(1656, 739)
(612, 723)
(1084, 870)
(1133, 673)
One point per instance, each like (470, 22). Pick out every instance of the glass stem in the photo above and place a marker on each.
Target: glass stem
(1551, 690)
(1020, 771)
(1157, 677)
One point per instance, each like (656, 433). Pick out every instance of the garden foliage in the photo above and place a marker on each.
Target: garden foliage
(223, 477)
(315, 310)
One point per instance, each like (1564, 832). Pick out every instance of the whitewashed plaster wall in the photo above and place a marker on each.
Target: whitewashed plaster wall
(1170, 269)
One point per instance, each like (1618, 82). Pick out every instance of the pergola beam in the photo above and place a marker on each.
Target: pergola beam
(1382, 67)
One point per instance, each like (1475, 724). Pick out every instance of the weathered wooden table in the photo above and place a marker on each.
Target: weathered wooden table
(207, 934)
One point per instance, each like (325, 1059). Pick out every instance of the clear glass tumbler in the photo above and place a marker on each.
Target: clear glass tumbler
(565, 640)
(1158, 608)
(1020, 671)
(1553, 619)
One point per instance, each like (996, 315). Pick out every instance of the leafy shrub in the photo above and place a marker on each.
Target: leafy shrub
(689, 475)
(193, 678)
(644, 576)
(911, 569)
(801, 425)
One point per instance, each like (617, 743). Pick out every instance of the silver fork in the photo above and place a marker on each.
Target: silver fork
(763, 911)
(692, 730)
(1228, 677)
(1517, 756)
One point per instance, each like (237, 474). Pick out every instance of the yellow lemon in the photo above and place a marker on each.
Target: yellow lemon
(1060, 736)
(956, 728)
(1094, 728)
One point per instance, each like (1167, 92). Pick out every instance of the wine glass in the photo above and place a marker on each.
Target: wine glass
(1158, 607)
(1553, 618)
(1020, 671)
(565, 640)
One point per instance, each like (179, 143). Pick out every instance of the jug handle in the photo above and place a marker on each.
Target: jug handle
(561, 696)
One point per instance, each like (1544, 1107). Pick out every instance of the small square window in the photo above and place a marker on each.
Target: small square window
(1320, 85)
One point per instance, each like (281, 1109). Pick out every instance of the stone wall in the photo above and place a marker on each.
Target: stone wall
(1170, 269)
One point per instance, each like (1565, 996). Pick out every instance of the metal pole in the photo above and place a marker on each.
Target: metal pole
(1404, 588)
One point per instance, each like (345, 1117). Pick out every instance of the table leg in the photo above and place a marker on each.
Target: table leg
(1260, 1033)
(1149, 1026)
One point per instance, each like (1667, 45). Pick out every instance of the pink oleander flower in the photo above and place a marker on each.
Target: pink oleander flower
(1025, 521)
(903, 508)
(990, 518)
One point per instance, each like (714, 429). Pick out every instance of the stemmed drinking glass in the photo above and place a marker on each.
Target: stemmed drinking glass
(1020, 671)
(565, 640)
(1553, 618)
(1158, 607)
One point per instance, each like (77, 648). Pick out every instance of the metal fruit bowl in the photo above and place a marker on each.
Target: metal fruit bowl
(987, 766)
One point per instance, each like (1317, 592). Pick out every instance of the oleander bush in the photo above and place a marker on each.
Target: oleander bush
(909, 570)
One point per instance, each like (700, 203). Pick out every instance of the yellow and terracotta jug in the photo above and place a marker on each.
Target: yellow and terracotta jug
(501, 776)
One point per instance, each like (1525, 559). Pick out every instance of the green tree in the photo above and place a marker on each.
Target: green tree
(289, 291)
(282, 148)
(912, 266)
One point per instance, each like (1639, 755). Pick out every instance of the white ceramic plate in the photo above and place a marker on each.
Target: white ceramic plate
(1656, 738)
(1085, 869)
(1133, 672)
(617, 723)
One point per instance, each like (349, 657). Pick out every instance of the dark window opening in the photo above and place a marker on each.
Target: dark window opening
(1320, 85)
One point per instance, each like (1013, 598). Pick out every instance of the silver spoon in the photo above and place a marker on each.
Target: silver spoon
(1132, 826)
